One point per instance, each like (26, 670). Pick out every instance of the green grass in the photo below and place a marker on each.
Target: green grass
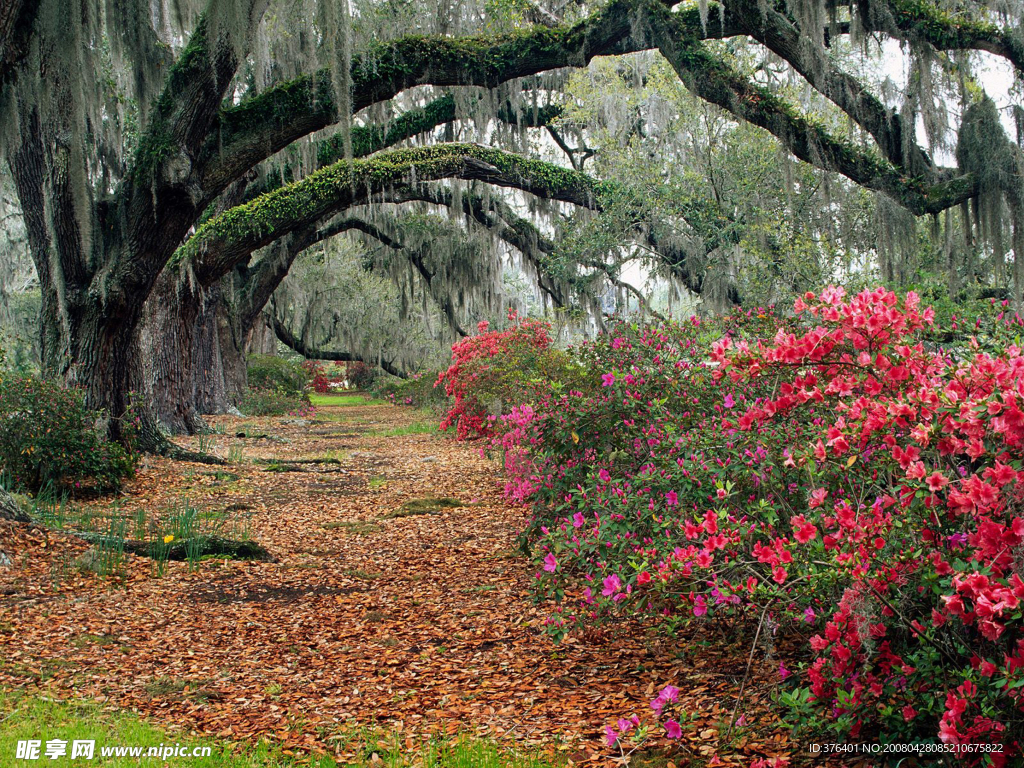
(26, 716)
(344, 400)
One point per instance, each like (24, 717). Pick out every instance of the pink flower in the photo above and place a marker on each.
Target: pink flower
(578, 520)
(610, 736)
(936, 481)
(604, 475)
(783, 672)
(700, 608)
(671, 498)
(550, 563)
(729, 402)
(607, 379)
(809, 615)
(669, 693)
(612, 584)
(643, 578)
(672, 729)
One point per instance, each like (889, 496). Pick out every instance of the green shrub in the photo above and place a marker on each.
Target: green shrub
(418, 391)
(49, 437)
(263, 401)
(270, 372)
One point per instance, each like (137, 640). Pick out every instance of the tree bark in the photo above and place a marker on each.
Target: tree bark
(233, 342)
(173, 313)
(210, 390)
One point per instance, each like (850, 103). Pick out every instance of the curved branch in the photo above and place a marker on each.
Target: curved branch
(714, 80)
(159, 197)
(781, 36)
(229, 238)
(498, 216)
(417, 259)
(914, 20)
(259, 127)
(367, 139)
(311, 352)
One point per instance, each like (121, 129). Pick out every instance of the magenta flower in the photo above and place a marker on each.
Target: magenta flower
(607, 379)
(612, 584)
(578, 520)
(604, 475)
(729, 402)
(672, 729)
(700, 608)
(550, 564)
(610, 736)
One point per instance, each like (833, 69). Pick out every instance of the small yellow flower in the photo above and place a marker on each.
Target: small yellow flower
(168, 539)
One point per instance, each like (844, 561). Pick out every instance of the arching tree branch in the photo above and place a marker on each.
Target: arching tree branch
(311, 352)
(229, 238)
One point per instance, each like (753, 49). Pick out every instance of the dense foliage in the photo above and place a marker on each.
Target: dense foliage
(272, 372)
(417, 391)
(840, 475)
(496, 369)
(272, 402)
(48, 438)
(278, 386)
(361, 376)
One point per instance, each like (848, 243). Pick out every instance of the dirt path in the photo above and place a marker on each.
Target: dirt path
(413, 624)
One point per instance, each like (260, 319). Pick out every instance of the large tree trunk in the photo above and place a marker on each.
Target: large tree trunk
(173, 313)
(233, 341)
(210, 391)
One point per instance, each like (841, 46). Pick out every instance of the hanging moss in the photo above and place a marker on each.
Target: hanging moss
(986, 153)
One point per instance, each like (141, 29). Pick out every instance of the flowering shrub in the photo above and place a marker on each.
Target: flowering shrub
(495, 369)
(841, 474)
(317, 375)
(361, 376)
(48, 438)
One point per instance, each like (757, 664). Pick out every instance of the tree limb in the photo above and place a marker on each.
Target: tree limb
(229, 238)
(310, 352)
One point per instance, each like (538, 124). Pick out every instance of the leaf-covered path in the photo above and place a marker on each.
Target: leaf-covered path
(411, 623)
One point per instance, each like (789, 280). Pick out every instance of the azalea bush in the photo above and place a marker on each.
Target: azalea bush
(361, 376)
(495, 370)
(316, 372)
(851, 475)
